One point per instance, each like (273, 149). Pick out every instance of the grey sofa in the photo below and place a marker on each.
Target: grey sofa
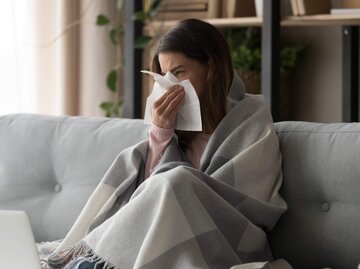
(50, 165)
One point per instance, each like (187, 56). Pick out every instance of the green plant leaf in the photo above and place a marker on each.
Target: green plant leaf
(111, 80)
(107, 107)
(141, 16)
(154, 7)
(142, 41)
(116, 109)
(289, 57)
(102, 20)
(115, 35)
(245, 47)
(144, 15)
(112, 109)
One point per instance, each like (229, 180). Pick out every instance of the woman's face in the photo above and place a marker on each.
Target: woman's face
(184, 68)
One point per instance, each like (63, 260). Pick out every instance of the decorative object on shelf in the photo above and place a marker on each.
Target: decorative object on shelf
(181, 9)
(346, 7)
(259, 7)
(238, 8)
(245, 46)
(344, 11)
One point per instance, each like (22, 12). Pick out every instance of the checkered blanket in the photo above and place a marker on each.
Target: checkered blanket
(181, 217)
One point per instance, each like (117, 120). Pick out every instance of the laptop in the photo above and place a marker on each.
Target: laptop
(17, 244)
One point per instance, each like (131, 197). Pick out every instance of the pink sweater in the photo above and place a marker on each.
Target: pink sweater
(159, 138)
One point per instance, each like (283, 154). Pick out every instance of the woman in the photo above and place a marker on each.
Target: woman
(197, 51)
(187, 199)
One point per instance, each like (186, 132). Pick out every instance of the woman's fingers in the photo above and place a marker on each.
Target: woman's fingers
(165, 95)
(163, 102)
(175, 103)
(173, 100)
(167, 106)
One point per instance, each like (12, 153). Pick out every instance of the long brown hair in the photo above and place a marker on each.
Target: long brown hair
(203, 42)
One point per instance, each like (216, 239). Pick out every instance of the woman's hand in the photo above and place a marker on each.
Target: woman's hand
(165, 109)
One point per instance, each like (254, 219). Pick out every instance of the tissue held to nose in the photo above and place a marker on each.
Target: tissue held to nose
(165, 109)
(188, 115)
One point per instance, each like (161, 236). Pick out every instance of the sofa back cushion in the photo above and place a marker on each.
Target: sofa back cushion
(321, 167)
(49, 166)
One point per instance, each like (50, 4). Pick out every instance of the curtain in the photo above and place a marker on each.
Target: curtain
(56, 58)
(16, 72)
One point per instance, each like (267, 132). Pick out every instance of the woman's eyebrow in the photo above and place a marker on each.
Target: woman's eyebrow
(175, 68)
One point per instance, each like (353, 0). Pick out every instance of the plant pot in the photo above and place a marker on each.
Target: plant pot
(252, 81)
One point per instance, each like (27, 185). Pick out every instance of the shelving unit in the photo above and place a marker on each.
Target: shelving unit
(313, 20)
(350, 55)
(271, 24)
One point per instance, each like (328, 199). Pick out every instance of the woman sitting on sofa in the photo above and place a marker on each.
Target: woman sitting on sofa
(186, 199)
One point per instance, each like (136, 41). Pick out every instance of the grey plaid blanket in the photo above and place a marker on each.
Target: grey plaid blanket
(180, 217)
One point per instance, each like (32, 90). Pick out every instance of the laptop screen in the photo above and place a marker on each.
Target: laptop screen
(17, 244)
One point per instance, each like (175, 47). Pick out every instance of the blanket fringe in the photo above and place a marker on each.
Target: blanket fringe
(74, 257)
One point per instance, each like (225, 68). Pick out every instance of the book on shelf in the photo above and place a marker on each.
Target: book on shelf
(238, 8)
(350, 4)
(294, 7)
(311, 7)
(181, 9)
(345, 11)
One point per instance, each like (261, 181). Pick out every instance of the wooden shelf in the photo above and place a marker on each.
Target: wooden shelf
(220, 22)
(322, 20)
(161, 26)
(310, 20)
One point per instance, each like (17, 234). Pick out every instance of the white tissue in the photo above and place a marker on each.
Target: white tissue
(189, 114)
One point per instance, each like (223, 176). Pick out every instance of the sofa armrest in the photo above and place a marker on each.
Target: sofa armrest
(321, 186)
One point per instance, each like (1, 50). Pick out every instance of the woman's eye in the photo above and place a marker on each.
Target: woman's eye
(177, 73)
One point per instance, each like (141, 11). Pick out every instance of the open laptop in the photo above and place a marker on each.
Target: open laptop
(17, 244)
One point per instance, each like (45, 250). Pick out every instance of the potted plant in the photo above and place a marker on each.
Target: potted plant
(245, 46)
(115, 27)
